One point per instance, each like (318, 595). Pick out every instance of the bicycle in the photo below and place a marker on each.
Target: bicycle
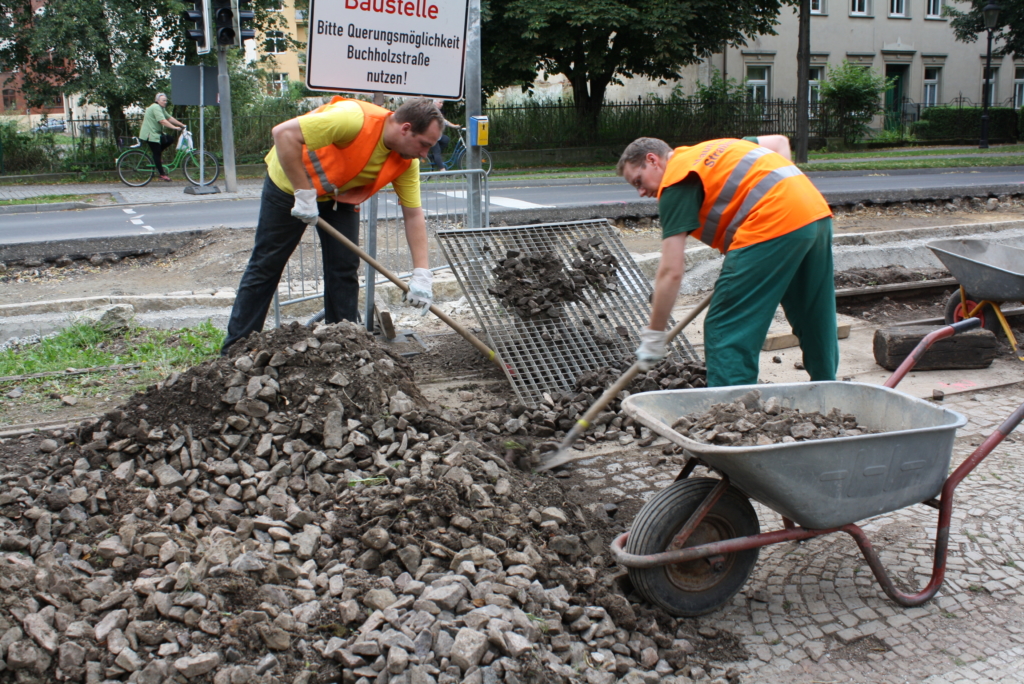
(136, 168)
(457, 160)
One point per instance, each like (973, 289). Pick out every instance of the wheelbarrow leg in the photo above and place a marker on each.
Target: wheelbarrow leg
(1006, 329)
(688, 468)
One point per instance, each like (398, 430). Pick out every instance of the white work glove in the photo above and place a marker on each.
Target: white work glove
(652, 349)
(421, 289)
(305, 206)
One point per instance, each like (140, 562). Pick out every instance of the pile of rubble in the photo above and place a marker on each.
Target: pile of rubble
(559, 411)
(296, 512)
(748, 421)
(536, 285)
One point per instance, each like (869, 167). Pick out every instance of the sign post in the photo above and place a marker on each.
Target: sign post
(412, 48)
(415, 48)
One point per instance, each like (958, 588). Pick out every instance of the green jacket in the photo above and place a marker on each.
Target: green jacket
(151, 128)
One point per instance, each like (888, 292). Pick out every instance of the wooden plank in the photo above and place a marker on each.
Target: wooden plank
(384, 318)
(973, 349)
(787, 340)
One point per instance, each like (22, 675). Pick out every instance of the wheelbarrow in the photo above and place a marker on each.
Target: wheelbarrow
(695, 543)
(989, 274)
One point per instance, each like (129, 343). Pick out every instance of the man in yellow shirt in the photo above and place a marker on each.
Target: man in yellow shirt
(325, 163)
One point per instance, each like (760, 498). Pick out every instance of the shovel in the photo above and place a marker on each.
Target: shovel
(470, 337)
(562, 456)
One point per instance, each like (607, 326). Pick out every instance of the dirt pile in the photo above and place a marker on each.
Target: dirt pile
(865, 277)
(535, 285)
(748, 421)
(296, 512)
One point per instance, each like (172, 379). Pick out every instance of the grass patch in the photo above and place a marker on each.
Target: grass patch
(48, 199)
(916, 163)
(914, 152)
(87, 344)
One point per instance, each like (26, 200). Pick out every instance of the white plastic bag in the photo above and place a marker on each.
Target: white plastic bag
(185, 141)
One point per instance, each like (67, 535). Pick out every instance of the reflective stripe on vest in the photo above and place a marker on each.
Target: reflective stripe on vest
(320, 173)
(754, 196)
(707, 236)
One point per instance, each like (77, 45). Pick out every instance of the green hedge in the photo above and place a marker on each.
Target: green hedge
(945, 123)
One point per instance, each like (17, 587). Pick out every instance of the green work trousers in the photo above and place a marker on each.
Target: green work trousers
(794, 270)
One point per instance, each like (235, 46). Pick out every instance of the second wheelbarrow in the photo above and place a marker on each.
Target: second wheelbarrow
(989, 275)
(695, 543)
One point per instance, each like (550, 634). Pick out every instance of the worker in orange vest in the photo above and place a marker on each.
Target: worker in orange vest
(324, 164)
(748, 200)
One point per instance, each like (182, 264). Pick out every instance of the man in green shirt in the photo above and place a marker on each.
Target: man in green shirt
(153, 125)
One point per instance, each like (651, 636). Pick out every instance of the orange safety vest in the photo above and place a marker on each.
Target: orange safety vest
(751, 194)
(333, 166)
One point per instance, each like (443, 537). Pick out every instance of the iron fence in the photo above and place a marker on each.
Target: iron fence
(444, 198)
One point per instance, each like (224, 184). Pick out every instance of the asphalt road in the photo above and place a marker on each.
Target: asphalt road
(506, 196)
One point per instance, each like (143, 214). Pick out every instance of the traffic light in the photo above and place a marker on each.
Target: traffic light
(200, 16)
(224, 22)
(244, 18)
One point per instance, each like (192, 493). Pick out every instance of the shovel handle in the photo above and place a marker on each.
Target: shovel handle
(462, 330)
(609, 394)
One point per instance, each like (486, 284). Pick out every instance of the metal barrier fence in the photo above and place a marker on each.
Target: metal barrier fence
(444, 198)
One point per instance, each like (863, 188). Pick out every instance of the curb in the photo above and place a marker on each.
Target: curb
(52, 206)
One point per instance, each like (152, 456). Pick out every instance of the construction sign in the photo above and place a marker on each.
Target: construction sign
(397, 47)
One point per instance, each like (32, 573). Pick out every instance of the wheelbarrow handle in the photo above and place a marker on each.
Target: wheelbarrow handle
(923, 346)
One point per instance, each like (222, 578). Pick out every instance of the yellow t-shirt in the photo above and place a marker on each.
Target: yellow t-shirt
(339, 126)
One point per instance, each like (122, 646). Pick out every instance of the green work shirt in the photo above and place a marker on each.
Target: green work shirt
(151, 128)
(679, 205)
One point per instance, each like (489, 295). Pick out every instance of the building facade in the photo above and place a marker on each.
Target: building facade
(909, 41)
(282, 63)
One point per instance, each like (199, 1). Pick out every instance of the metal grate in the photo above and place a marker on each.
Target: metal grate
(535, 365)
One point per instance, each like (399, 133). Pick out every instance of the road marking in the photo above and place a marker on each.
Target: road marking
(128, 211)
(150, 228)
(137, 221)
(501, 201)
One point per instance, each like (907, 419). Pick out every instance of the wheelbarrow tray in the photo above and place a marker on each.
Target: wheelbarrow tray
(987, 270)
(825, 483)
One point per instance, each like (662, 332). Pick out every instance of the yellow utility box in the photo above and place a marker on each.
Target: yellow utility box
(478, 130)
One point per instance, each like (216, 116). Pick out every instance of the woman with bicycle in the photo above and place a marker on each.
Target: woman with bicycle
(157, 118)
(436, 151)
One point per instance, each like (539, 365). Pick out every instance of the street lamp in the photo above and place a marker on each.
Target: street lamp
(990, 13)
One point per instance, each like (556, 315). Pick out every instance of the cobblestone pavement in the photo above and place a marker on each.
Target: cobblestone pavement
(813, 613)
(154, 192)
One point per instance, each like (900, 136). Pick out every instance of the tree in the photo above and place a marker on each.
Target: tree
(968, 25)
(114, 53)
(597, 43)
(852, 95)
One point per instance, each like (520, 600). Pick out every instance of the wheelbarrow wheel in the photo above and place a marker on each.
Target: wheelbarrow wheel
(956, 312)
(703, 585)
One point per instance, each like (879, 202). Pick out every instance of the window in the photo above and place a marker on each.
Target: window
(757, 83)
(992, 81)
(933, 9)
(57, 100)
(10, 98)
(931, 87)
(897, 8)
(817, 6)
(1018, 87)
(275, 5)
(275, 43)
(278, 84)
(859, 8)
(814, 76)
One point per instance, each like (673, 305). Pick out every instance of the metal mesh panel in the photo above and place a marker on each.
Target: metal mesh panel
(535, 365)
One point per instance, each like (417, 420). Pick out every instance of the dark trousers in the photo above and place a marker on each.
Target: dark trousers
(157, 148)
(277, 235)
(436, 153)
